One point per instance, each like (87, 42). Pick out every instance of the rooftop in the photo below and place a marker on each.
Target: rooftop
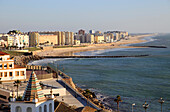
(3, 53)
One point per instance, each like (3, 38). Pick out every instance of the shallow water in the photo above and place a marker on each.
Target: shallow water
(136, 79)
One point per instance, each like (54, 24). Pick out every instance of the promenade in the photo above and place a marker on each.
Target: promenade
(68, 98)
(72, 97)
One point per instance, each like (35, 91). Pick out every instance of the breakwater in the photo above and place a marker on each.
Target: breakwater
(24, 60)
(153, 46)
(95, 56)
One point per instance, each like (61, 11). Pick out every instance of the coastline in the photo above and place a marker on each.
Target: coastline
(106, 98)
(92, 47)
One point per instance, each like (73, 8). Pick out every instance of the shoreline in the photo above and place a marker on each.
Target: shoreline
(137, 39)
(92, 47)
(107, 99)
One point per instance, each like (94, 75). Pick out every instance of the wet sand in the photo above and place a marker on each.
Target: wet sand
(71, 50)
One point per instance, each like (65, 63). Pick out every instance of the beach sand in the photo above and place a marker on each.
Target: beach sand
(69, 51)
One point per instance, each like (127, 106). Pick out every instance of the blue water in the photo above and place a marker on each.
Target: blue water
(136, 79)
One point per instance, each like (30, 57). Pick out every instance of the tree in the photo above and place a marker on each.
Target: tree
(15, 32)
(17, 83)
(117, 100)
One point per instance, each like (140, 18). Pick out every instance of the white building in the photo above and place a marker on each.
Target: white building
(90, 38)
(21, 40)
(91, 31)
(33, 99)
(16, 40)
(8, 70)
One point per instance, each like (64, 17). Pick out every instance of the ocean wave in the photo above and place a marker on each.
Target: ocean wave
(44, 62)
(99, 52)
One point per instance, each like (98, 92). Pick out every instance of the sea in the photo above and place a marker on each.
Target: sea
(135, 79)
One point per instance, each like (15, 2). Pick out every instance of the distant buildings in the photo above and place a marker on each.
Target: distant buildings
(18, 40)
(82, 32)
(33, 39)
(99, 39)
(9, 39)
(51, 38)
(90, 38)
(113, 36)
(91, 31)
(60, 38)
(69, 38)
(96, 37)
(47, 39)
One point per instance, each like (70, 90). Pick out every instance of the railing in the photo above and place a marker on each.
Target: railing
(64, 76)
(35, 67)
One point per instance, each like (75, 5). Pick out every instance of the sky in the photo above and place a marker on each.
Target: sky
(134, 16)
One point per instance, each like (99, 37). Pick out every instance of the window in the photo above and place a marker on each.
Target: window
(10, 74)
(0, 58)
(29, 109)
(45, 108)
(1, 74)
(1, 66)
(18, 109)
(17, 73)
(40, 109)
(5, 65)
(22, 73)
(5, 74)
(2, 96)
(10, 65)
(50, 107)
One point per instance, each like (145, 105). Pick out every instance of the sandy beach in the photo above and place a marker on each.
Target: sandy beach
(69, 51)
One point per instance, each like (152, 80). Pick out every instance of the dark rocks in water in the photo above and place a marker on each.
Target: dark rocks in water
(158, 46)
(24, 60)
(153, 46)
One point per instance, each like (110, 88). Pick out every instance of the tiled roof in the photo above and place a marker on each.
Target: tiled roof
(18, 66)
(33, 89)
(86, 109)
(63, 108)
(3, 53)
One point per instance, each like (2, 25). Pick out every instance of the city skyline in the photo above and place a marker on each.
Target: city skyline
(71, 15)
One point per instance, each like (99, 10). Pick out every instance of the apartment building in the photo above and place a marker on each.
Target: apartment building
(69, 38)
(8, 70)
(9, 39)
(47, 39)
(99, 38)
(51, 38)
(90, 38)
(37, 39)
(33, 39)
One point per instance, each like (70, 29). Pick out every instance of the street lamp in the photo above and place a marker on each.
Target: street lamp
(161, 101)
(132, 106)
(145, 106)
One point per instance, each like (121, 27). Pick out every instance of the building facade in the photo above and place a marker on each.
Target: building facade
(69, 38)
(82, 32)
(33, 39)
(8, 70)
(9, 39)
(47, 39)
(90, 38)
(53, 38)
(99, 38)
(33, 99)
